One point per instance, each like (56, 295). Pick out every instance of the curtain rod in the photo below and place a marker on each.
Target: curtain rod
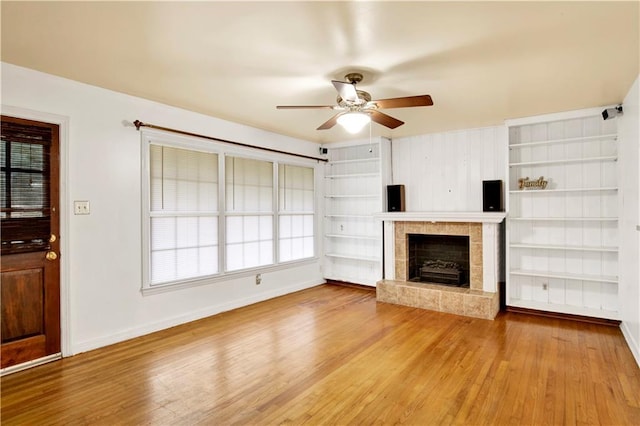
(139, 124)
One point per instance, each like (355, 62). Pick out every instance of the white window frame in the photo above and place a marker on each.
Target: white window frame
(151, 136)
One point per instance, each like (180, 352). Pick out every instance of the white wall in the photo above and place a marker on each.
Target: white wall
(101, 252)
(629, 273)
(444, 171)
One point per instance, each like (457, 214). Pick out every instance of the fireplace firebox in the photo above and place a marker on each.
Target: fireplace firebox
(439, 259)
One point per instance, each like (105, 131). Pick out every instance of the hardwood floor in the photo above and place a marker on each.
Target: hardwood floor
(332, 355)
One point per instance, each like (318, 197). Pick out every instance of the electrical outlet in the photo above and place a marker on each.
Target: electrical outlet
(258, 279)
(81, 207)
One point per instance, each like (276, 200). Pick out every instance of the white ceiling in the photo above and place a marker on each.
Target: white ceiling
(482, 62)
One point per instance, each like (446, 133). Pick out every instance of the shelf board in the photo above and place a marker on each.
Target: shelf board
(349, 216)
(565, 161)
(612, 137)
(369, 280)
(564, 309)
(352, 175)
(353, 196)
(361, 160)
(541, 191)
(564, 219)
(353, 257)
(355, 237)
(568, 248)
(566, 276)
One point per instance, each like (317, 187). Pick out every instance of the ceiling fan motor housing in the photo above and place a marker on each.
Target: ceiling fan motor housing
(353, 77)
(363, 98)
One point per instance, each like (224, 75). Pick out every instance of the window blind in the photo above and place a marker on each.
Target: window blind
(296, 211)
(25, 186)
(249, 213)
(184, 214)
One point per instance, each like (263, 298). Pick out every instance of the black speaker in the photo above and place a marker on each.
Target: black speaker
(492, 200)
(395, 198)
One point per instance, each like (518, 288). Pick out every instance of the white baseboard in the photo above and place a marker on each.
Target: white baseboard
(133, 332)
(633, 344)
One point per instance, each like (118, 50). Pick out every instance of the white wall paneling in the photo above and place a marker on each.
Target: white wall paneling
(562, 239)
(444, 172)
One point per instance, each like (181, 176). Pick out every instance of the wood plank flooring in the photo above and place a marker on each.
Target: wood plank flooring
(333, 355)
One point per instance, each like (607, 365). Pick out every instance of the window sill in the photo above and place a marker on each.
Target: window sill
(197, 282)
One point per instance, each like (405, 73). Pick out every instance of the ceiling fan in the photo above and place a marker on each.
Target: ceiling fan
(357, 109)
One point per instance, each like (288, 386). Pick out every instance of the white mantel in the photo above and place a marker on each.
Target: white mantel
(477, 217)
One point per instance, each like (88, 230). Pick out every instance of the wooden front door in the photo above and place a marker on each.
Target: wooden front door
(30, 256)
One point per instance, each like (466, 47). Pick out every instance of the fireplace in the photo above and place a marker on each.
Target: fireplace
(438, 259)
(457, 234)
(476, 265)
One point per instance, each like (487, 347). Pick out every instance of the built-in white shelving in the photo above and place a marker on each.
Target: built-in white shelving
(580, 139)
(551, 191)
(354, 257)
(564, 161)
(565, 276)
(355, 178)
(352, 196)
(356, 161)
(348, 216)
(565, 219)
(564, 247)
(562, 241)
(562, 308)
(356, 175)
(357, 237)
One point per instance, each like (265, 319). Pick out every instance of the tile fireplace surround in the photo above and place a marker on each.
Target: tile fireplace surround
(480, 300)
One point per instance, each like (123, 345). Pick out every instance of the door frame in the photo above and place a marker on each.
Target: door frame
(65, 293)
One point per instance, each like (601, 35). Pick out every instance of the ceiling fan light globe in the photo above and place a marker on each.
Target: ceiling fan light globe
(353, 122)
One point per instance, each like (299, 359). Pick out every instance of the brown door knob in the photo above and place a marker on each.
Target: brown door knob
(51, 255)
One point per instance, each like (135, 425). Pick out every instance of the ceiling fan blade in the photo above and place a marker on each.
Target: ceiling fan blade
(409, 101)
(329, 123)
(347, 91)
(385, 120)
(305, 107)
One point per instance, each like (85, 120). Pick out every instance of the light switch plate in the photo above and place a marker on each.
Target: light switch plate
(81, 207)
